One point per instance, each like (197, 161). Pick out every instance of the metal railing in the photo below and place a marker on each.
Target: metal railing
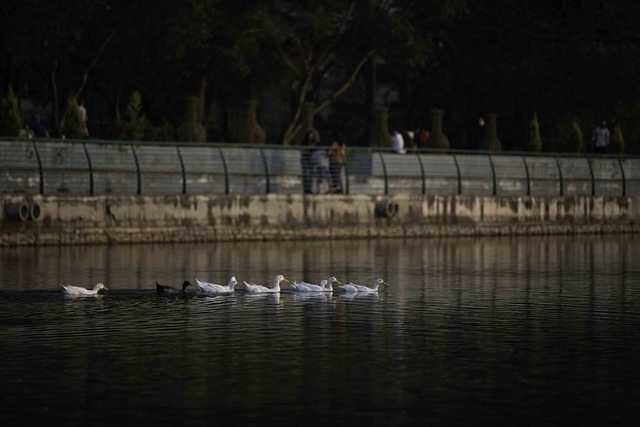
(108, 167)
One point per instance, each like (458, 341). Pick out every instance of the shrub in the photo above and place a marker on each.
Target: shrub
(135, 124)
(535, 141)
(11, 117)
(72, 126)
(576, 139)
(617, 140)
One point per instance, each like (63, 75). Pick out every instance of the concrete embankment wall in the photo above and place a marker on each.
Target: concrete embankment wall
(68, 220)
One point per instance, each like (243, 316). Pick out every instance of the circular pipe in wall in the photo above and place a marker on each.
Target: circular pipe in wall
(17, 211)
(34, 211)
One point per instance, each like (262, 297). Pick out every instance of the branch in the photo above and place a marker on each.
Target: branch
(347, 84)
(85, 75)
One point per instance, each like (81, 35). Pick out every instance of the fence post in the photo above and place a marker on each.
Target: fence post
(138, 175)
(493, 173)
(345, 165)
(40, 171)
(526, 170)
(424, 183)
(593, 178)
(624, 179)
(266, 172)
(455, 159)
(384, 170)
(184, 175)
(226, 171)
(86, 153)
(560, 177)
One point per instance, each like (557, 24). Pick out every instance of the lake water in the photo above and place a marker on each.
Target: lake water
(488, 331)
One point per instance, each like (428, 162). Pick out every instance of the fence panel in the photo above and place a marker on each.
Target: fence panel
(20, 169)
(511, 175)
(631, 169)
(114, 169)
(404, 173)
(65, 168)
(246, 170)
(160, 169)
(476, 173)
(360, 171)
(441, 174)
(204, 170)
(544, 176)
(576, 176)
(285, 171)
(608, 177)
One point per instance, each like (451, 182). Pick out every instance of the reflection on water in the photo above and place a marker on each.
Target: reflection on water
(535, 330)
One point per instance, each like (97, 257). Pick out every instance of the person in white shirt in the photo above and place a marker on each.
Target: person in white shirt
(397, 142)
(600, 137)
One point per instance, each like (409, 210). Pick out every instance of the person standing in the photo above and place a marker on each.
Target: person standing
(83, 116)
(337, 153)
(39, 131)
(600, 137)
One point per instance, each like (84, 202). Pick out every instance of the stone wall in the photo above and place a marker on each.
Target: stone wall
(66, 220)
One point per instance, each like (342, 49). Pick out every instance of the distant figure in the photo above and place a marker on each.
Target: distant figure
(397, 142)
(337, 154)
(39, 131)
(409, 142)
(306, 164)
(421, 137)
(600, 137)
(321, 168)
(83, 116)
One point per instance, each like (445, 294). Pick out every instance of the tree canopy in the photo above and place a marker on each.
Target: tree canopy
(568, 64)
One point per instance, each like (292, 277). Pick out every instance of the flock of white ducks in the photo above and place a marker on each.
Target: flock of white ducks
(206, 288)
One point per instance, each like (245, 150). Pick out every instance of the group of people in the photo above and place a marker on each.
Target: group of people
(322, 166)
(36, 129)
(403, 141)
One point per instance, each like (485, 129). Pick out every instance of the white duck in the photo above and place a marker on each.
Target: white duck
(253, 288)
(326, 285)
(214, 288)
(353, 288)
(79, 291)
(308, 287)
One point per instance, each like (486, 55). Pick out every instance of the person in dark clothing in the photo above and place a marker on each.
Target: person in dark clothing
(39, 131)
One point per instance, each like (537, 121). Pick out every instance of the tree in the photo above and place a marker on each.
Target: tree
(534, 142)
(576, 138)
(72, 126)
(134, 124)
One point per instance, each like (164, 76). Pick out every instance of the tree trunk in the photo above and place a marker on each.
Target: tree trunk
(438, 138)
(379, 130)
(190, 130)
(490, 140)
(244, 127)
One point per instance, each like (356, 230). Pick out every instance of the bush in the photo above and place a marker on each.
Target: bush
(535, 141)
(163, 132)
(617, 140)
(135, 124)
(576, 139)
(72, 126)
(11, 117)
